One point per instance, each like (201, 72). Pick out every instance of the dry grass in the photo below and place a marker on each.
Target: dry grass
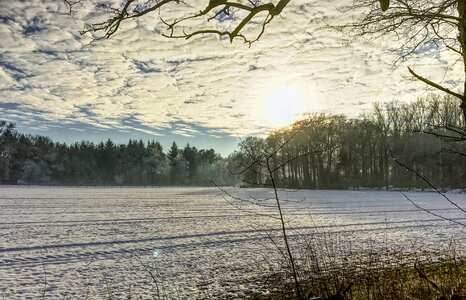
(330, 269)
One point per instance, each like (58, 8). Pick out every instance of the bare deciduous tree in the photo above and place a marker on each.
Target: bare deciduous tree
(420, 25)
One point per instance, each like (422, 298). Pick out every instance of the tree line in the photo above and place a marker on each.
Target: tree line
(333, 151)
(35, 159)
(323, 151)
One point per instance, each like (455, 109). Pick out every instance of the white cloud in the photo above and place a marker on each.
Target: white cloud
(204, 81)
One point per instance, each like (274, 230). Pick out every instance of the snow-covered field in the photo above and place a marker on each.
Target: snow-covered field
(104, 243)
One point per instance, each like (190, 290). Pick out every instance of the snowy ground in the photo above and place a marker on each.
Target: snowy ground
(99, 243)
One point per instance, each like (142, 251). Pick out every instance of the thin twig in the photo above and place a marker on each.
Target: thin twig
(428, 182)
(45, 281)
(431, 212)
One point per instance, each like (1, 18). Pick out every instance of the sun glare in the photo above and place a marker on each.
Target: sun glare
(283, 106)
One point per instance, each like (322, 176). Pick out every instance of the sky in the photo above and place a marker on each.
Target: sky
(204, 91)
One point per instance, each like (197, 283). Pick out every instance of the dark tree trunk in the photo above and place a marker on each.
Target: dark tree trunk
(462, 40)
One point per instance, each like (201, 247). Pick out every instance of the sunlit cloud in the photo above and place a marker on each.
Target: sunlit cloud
(50, 71)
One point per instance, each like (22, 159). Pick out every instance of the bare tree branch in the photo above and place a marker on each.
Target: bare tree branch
(435, 85)
(214, 10)
(419, 27)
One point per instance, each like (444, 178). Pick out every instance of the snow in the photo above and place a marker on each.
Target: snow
(92, 243)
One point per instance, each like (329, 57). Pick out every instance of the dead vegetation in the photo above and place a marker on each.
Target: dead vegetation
(329, 268)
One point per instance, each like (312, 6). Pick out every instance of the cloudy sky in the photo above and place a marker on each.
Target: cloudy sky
(204, 91)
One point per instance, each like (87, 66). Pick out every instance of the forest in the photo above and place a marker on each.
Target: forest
(35, 159)
(394, 145)
(389, 146)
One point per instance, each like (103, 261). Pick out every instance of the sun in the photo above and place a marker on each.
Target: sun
(283, 106)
